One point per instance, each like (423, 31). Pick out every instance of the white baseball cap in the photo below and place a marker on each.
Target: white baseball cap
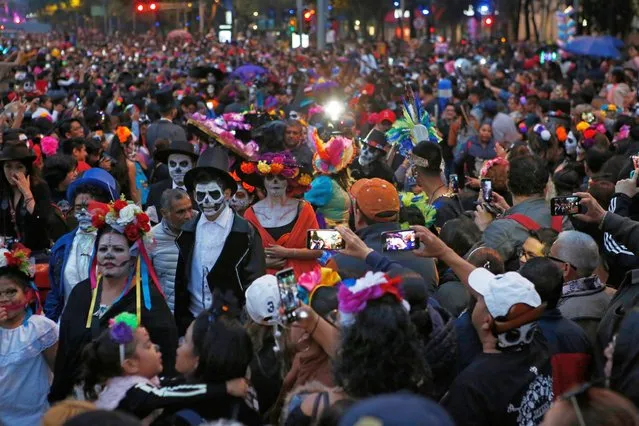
(502, 292)
(263, 300)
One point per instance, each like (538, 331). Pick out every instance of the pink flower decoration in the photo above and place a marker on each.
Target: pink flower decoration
(309, 280)
(356, 302)
(49, 145)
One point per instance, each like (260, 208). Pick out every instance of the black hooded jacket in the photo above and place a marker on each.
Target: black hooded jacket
(624, 377)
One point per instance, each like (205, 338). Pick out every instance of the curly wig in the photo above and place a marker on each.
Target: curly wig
(382, 352)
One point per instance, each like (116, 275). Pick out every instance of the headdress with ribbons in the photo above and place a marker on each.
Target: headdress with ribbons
(128, 219)
(332, 156)
(354, 295)
(122, 331)
(415, 126)
(18, 260)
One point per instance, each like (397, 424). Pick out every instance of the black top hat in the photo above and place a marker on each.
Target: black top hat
(176, 147)
(376, 139)
(165, 99)
(214, 160)
(17, 152)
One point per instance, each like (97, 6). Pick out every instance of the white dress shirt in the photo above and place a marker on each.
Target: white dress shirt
(77, 268)
(174, 186)
(209, 242)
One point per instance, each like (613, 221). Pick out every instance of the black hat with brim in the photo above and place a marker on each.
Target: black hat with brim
(176, 147)
(17, 152)
(215, 161)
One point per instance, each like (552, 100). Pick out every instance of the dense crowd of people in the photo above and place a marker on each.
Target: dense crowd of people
(244, 234)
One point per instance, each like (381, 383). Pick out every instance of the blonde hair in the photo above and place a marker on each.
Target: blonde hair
(65, 410)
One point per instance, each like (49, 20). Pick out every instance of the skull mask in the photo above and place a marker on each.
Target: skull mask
(368, 155)
(210, 90)
(210, 199)
(241, 200)
(179, 164)
(275, 186)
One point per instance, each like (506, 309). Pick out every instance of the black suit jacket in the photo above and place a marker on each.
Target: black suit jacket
(240, 263)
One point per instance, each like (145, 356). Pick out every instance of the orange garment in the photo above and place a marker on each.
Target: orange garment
(296, 239)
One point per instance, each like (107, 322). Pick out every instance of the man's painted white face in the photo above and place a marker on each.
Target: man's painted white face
(368, 155)
(179, 164)
(275, 185)
(241, 199)
(210, 199)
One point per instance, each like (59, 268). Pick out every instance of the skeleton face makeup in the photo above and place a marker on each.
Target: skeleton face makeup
(210, 199)
(179, 164)
(210, 90)
(113, 255)
(275, 186)
(368, 155)
(241, 200)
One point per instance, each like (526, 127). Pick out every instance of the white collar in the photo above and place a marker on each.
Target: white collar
(175, 186)
(222, 220)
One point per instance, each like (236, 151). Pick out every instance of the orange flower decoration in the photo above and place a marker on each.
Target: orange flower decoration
(123, 133)
(562, 135)
(248, 168)
(276, 168)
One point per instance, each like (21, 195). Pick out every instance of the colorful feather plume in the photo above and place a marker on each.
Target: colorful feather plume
(415, 126)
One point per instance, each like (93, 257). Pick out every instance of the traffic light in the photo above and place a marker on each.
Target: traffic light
(308, 19)
(291, 25)
(488, 21)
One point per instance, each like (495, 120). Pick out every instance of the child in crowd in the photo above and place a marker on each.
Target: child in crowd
(28, 343)
(124, 363)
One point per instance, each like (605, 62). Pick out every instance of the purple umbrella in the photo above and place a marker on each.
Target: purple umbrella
(248, 72)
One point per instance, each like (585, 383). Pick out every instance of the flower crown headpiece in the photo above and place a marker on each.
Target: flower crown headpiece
(590, 133)
(561, 134)
(623, 133)
(123, 216)
(354, 295)
(309, 282)
(49, 145)
(274, 164)
(523, 128)
(250, 189)
(122, 331)
(223, 129)
(609, 108)
(18, 258)
(334, 155)
(123, 133)
(493, 162)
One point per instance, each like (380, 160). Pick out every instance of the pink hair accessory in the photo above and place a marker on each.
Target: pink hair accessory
(624, 133)
(49, 145)
(490, 163)
(315, 109)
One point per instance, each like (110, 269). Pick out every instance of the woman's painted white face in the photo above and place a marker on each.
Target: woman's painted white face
(210, 199)
(240, 200)
(178, 165)
(113, 255)
(275, 185)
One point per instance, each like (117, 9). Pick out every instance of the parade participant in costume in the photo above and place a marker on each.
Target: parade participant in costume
(71, 255)
(124, 170)
(180, 158)
(218, 249)
(329, 190)
(132, 149)
(282, 221)
(244, 197)
(124, 282)
(25, 199)
(371, 161)
(28, 343)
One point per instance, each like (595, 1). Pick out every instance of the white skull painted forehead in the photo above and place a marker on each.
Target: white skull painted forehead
(211, 189)
(180, 160)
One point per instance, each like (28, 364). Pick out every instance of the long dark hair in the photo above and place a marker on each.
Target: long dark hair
(101, 362)
(120, 171)
(382, 352)
(222, 344)
(32, 172)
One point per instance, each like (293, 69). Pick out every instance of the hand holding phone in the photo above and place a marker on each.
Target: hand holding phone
(287, 286)
(566, 206)
(487, 190)
(454, 183)
(324, 239)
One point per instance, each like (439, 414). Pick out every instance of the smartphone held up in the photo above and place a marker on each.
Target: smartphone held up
(400, 241)
(287, 286)
(324, 239)
(566, 206)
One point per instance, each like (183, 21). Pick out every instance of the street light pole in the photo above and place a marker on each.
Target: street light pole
(300, 26)
(322, 10)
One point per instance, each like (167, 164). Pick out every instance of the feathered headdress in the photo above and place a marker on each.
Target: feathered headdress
(414, 127)
(333, 156)
(408, 199)
(309, 282)
(18, 259)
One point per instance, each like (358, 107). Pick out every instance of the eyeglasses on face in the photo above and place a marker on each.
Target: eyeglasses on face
(556, 259)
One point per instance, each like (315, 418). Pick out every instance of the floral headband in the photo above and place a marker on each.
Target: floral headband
(490, 163)
(623, 133)
(561, 134)
(122, 331)
(250, 189)
(123, 216)
(523, 128)
(123, 133)
(18, 258)
(354, 295)
(277, 164)
(590, 133)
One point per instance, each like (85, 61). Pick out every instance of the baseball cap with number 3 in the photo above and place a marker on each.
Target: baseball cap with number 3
(263, 300)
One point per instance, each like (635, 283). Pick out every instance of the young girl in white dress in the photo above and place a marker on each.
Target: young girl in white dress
(28, 343)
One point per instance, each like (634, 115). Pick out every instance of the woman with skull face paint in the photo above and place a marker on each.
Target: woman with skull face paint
(243, 197)
(71, 255)
(370, 163)
(281, 220)
(126, 282)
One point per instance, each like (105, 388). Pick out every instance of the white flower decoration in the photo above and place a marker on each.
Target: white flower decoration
(371, 279)
(127, 214)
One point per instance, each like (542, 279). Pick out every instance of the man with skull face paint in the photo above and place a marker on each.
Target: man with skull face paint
(71, 255)
(370, 163)
(218, 248)
(180, 158)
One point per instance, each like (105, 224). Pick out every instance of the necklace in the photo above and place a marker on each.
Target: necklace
(431, 197)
